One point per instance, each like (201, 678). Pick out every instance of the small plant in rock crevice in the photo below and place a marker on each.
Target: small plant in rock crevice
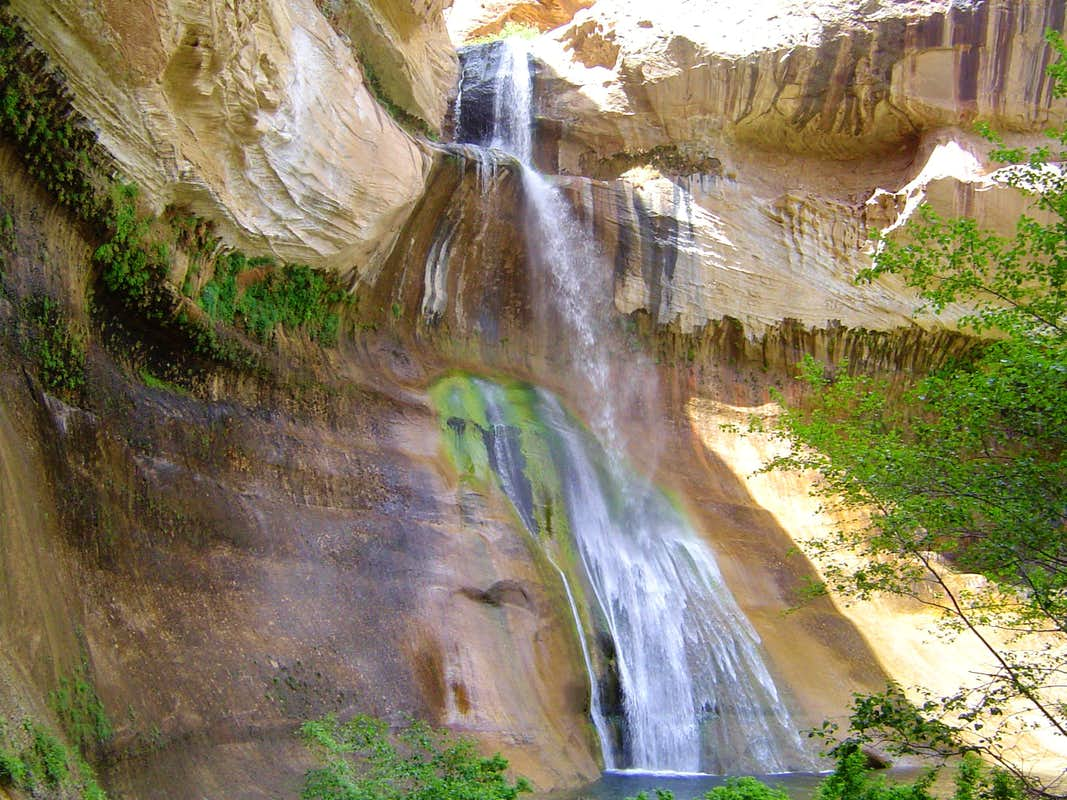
(48, 339)
(79, 709)
(35, 761)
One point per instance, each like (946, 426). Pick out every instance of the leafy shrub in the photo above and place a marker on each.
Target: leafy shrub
(132, 266)
(35, 111)
(852, 780)
(295, 297)
(746, 788)
(364, 761)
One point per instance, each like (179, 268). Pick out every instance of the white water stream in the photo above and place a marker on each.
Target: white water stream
(696, 694)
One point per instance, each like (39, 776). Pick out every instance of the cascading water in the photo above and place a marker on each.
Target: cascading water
(696, 694)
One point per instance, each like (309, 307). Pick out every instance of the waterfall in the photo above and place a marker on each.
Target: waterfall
(507, 462)
(695, 693)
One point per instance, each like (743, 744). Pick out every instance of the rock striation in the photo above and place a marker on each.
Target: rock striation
(837, 79)
(756, 150)
(301, 529)
(407, 47)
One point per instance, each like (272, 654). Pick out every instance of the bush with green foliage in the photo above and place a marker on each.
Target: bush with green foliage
(744, 788)
(968, 467)
(295, 297)
(363, 760)
(853, 779)
(131, 264)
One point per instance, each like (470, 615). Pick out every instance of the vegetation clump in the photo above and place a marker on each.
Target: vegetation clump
(853, 779)
(80, 711)
(36, 113)
(34, 760)
(135, 251)
(295, 297)
(363, 760)
(48, 339)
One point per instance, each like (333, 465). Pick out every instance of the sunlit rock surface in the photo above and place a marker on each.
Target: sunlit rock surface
(470, 19)
(255, 115)
(691, 249)
(756, 149)
(408, 48)
(910, 644)
(839, 79)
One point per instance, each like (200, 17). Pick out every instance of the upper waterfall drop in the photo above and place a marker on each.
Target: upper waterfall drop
(696, 695)
(498, 112)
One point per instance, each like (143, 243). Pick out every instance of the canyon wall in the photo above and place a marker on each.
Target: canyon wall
(255, 115)
(236, 555)
(759, 146)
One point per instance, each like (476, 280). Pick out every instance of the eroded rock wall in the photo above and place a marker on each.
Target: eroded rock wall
(407, 47)
(231, 561)
(759, 147)
(255, 115)
(274, 547)
(837, 79)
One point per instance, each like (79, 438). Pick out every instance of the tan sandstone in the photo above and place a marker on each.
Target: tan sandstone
(907, 637)
(758, 148)
(407, 46)
(255, 115)
(469, 19)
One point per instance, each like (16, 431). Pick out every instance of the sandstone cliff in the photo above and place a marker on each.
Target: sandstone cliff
(255, 115)
(247, 549)
(838, 79)
(759, 146)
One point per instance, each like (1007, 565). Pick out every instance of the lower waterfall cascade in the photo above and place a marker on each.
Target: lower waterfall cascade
(696, 695)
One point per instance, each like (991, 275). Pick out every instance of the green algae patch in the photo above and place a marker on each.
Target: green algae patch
(461, 412)
(481, 418)
(476, 416)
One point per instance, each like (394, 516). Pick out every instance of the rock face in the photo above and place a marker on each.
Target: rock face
(759, 148)
(691, 249)
(837, 79)
(408, 48)
(255, 115)
(232, 567)
(281, 546)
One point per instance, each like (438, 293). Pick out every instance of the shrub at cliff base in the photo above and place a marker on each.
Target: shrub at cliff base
(363, 760)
